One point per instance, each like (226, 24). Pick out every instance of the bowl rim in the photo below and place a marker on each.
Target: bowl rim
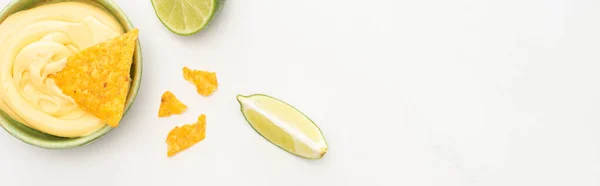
(8, 123)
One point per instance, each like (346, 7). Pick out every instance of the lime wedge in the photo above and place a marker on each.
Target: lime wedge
(283, 125)
(185, 17)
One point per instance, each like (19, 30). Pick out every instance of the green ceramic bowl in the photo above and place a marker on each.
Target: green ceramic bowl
(40, 139)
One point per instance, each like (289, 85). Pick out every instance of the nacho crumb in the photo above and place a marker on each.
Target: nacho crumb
(206, 82)
(181, 138)
(169, 105)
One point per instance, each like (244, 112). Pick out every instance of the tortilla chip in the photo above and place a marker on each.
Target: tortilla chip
(169, 105)
(206, 82)
(181, 138)
(97, 78)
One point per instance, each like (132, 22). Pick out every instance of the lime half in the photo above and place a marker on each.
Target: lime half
(185, 17)
(283, 125)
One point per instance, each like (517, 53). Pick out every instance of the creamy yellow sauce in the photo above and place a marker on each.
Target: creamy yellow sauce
(35, 43)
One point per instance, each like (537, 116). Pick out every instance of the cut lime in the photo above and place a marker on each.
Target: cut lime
(185, 17)
(283, 125)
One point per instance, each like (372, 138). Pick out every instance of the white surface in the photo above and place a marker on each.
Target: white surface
(432, 92)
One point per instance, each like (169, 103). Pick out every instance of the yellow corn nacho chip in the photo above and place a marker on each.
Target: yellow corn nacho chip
(181, 138)
(97, 78)
(206, 82)
(169, 105)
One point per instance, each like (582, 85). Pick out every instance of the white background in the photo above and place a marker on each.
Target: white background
(430, 92)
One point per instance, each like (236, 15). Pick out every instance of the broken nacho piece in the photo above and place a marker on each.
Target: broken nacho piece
(181, 138)
(169, 105)
(97, 78)
(206, 82)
